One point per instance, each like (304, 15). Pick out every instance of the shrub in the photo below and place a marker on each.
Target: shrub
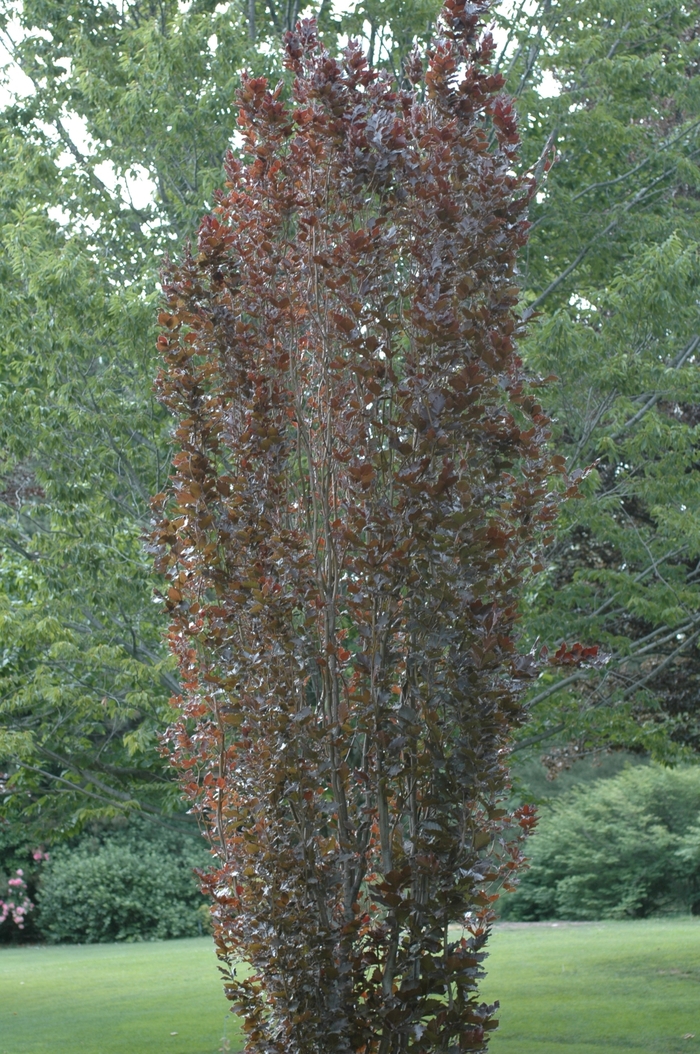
(626, 847)
(122, 886)
(359, 494)
(20, 866)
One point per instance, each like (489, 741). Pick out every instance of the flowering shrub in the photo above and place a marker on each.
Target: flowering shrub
(17, 905)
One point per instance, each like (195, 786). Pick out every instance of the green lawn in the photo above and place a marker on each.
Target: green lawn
(113, 999)
(595, 988)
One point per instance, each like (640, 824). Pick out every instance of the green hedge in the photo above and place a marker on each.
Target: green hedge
(627, 847)
(131, 885)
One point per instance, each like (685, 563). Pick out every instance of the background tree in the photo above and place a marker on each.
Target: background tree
(121, 98)
(85, 682)
(360, 486)
(147, 88)
(612, 272)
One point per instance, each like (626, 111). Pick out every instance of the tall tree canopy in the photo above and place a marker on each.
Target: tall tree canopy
(612, 269)
(84, 679)
(148, 88)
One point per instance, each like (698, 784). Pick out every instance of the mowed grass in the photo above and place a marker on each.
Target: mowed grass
(594, 988)
(114, 999)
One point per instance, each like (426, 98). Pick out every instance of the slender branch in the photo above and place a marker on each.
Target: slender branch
(664, 640)
(638, 578)
(534, 50)
(617, 43)
(590, 427)
(531, 740)
(135, 647)
(20, 549)
(639, 196)
(273, 14)
(532, 56)
(620, 660)
(73, 786)
(682, 358)
(153, 815)
(79, 156)
(542, 161)
(662, 666)
(531, 308)
(637, 168)
(553, 689)
(91, 778)
(512, 23)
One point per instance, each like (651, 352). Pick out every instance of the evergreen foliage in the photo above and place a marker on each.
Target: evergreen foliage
(626, 847)
(133, 884)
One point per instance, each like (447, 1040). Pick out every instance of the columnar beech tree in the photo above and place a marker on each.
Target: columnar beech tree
(358, 497)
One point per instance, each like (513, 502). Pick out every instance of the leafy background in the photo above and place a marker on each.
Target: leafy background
(146, 91)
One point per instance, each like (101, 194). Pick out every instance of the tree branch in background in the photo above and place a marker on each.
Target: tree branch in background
(689, 350)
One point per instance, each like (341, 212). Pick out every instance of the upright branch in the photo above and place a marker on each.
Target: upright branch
(359, 493)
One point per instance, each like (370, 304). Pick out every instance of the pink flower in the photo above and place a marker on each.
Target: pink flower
(18, 909)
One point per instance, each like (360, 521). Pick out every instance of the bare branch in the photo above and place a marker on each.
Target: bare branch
(546, 149)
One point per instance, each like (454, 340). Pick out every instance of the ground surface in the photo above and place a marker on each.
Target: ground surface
(596, 988)
(113, 999)
(593, 988)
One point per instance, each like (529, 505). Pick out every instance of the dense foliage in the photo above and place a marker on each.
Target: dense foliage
(132, 884)
(147, 88)
(626, 847)
(359, 492)
(612, 269)
(115, 98)
(20, 864)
